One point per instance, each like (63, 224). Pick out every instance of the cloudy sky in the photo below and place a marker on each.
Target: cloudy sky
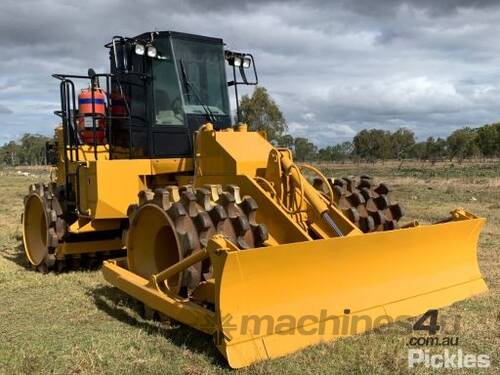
(334, 67)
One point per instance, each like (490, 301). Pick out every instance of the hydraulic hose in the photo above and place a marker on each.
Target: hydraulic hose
(328, 219)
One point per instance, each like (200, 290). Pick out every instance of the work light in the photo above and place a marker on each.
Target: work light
(237, 61)
(139, 49)
(152, 52)
(247, 62)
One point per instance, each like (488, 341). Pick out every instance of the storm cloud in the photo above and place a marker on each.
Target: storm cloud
(334, 67)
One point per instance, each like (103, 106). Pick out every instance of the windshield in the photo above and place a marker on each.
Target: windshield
(167, 96)
(202, 75)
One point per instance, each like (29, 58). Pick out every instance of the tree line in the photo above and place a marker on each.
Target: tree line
(261, 112)
(371, 145)
(29, 150)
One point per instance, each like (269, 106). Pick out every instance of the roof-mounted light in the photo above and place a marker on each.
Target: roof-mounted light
(247, 62)
(139, 49)
(238, 59)
(152, 52)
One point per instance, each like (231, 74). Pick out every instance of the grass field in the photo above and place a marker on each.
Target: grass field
(77, 323)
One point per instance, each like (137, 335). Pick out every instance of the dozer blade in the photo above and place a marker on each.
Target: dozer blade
(268, 302)
(273, 301)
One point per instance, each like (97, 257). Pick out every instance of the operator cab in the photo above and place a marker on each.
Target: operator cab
(161, 88)
(168, 84)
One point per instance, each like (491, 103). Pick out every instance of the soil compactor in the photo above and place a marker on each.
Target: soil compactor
(222, 230)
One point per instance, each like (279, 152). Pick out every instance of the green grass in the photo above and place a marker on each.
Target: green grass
(77, 323)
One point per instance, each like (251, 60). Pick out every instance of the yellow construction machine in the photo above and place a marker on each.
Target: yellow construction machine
(222, 230)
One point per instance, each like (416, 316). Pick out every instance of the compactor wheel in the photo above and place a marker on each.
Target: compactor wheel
(43, 226)
(365, 203)
(171, 223)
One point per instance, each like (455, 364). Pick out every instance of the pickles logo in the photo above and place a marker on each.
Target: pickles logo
(447, 359)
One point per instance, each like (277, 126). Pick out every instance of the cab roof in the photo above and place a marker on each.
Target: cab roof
(176, 34)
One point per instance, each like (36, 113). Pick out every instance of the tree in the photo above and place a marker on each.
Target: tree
(488, 140)
(33, 149)
(339, 152)
(462, 143)
(286, 141)
(260, 112)
(402, 140)
(373, 144)
(30, 150)
(325, 154)
(10, 153)
(435, 149)
(418, 151)
(347, 149)
(304, 150)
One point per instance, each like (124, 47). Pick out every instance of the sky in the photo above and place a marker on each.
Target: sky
(333, 67)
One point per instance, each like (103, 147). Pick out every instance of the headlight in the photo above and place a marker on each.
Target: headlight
(152, 52)
(237, 61)
(139, 49)
(247, 61)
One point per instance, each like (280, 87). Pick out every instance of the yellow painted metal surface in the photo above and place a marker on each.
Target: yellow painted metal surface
(86, 153)
(180, 309)
(383, 274)
(83, 225)
(232, 153)
(174, 165)
(85, 247)
(222, 157)
(112, 186)
(108, 187)
(35, 229)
